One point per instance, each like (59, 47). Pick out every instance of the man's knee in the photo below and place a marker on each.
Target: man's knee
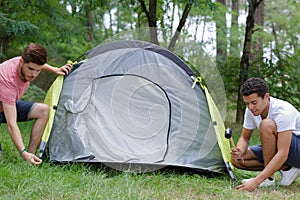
(41, 110)
(44, 109)
(268, 126)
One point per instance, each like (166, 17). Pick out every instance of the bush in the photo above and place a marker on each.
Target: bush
(34, 93)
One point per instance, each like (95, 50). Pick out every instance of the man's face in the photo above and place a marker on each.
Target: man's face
(29, 71)
(257, 105)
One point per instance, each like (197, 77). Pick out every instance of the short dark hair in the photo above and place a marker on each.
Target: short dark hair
(254, 85)
(35, 53)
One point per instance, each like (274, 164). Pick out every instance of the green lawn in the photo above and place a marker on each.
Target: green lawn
(19, 180)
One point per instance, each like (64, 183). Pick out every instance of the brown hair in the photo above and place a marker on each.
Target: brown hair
(254, 85)
(35, 53)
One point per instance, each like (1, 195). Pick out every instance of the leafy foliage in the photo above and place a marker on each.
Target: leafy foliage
(34, 94)
(282, 68)
(10, 26)
(69, 28)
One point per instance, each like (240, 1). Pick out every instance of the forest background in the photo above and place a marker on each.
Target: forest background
(244, 38)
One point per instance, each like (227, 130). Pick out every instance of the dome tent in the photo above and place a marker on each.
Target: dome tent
(136, 103)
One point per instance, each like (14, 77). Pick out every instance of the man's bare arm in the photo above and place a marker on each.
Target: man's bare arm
(15, 134)
(283, 146)
(12, 126)
(64, 70)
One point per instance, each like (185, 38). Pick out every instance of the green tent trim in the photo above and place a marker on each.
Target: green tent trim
(51, 99)
(220, 131)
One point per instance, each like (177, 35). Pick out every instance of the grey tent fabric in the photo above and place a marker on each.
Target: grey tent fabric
(133, 102)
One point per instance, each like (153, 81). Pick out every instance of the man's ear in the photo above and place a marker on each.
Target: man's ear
(267, 95)
(21, 61)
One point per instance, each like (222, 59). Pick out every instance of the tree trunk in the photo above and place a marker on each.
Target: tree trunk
(118, 21)
(244, 64)
(256, 55)
(173, 17)
(276, 41)
(89, 23)
(4, 45)
(198, 19)
(234, 30)
(182, 21)
(221, 34)
(151, 16)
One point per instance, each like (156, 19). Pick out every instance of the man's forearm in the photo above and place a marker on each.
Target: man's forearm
(16, 136)
(64, 70)
(273, 166)
(242, 145)
(49, 68)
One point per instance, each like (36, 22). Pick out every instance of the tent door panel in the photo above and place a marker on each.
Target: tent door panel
(130, 119)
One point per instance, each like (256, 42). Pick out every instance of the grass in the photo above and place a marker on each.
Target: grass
(19, 180)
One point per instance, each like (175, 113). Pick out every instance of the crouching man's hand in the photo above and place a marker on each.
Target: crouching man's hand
(31, 158)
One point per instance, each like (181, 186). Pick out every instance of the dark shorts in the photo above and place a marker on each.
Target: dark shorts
(294, 153)
(24, 108)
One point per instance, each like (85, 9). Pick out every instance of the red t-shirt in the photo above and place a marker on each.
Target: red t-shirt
(12, 87)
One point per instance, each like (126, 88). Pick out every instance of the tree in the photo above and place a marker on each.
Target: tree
(256, 55)
(182, 21)
(68, 28)
(48, 23)
(11, 27)
(282, 71)
(234, 29)
(221, 32)
(244, 64)
(152, 19)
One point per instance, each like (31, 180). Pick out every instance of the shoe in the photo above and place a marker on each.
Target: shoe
(288, 177)
(266, 182)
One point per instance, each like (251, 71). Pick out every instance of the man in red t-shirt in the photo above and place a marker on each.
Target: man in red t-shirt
(15, 77)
